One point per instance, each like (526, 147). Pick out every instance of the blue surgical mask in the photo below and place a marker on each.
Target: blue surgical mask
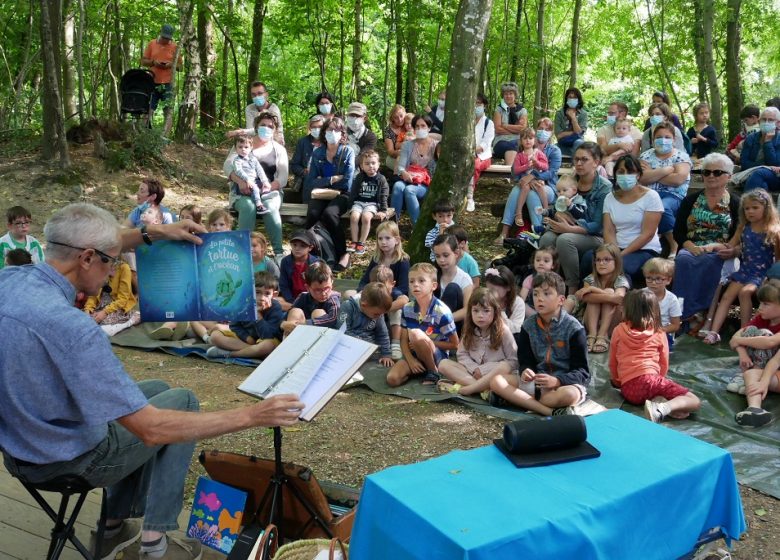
(265, 132)
(572, 103)
(611, 119)
(315, 133)
(259, 100)
(656, 119)
(768, 127)
(479, 110)
(332, 136)
(663, 145)
(543, 136)
(325, 108)
(626, 181)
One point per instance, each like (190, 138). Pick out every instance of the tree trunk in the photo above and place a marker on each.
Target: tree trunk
(54, 142)
(387, 64)
(208, 57)
(540, 64)
(434, 60)
(658, 39)
(68, 74)
(9, 119)
(575, 43)
(399, 51)
(716, 108)
(188, 108)
(319, 39)
(735, 98)
(456, 164)
(258, 19)
(342, 48)
(355, 88)
(80, 60)
(698, 49)
(115, 61)
(516, 42)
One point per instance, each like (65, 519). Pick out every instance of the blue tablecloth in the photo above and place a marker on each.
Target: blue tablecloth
(650, 495)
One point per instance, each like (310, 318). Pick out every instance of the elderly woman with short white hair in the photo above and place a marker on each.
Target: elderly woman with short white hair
(762, 150)
(510, 119)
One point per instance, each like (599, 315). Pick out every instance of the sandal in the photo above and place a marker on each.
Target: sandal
(499, 241)
(161, 333)
(431, 378)
(591, 340)
(601, 345)
(712, 338)
(447, 386)
(519, 221)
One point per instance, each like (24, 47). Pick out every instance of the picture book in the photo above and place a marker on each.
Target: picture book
(181, 281)
(313, 363)
(217, 511)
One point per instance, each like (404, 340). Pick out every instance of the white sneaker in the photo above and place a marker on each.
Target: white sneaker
(736, 385)
(470, 206)
(655, 411)
(217, 352)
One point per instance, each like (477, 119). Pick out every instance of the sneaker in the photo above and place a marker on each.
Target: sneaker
(351, 246)
(129, 532)
(178, 549)
(217, 352)
(736, 385)
(564, 411)
(656, 411)
(395, 353)
(753, 417)
(470, 206)
(360, 249)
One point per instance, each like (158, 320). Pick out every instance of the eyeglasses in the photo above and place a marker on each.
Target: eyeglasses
(106, 259)
(604, 260)
(715, 172)
(581, 160)
(655, 279)
(21, 223)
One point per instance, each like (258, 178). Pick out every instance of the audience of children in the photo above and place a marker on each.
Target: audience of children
(369, 194)
(19, 219)
(261, 262)
(247, 168)
(443, 212)
(501, 282)
(363, 318)
(487, 348)
(527, 160)
(544, 259)
(703, 136)
(658, 274)
(319, 304)
(428, 331)
(455, 286)
(639, 361)
(552, 353)
(467, 263)
(112, 308)
(293, 267)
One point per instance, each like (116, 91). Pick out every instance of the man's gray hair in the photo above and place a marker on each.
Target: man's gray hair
(80, 225)
(715, 158)
(774, 110)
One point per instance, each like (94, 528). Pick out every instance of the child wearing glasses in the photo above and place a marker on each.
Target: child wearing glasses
(19, 219)
(658, 274)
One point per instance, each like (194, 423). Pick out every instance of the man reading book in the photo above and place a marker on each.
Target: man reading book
(72, 409)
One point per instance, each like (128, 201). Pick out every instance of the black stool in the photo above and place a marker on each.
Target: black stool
(67, 486)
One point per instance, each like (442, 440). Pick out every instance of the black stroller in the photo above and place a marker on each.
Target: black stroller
(136, 88)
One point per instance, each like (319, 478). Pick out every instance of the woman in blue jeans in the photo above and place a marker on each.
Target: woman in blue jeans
(542, 183)
(420, 154)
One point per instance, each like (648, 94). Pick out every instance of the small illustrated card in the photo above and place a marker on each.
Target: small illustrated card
(217, 511)
(181, 281)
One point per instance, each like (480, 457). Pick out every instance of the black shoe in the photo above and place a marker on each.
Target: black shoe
(753, 417)
(496, 400)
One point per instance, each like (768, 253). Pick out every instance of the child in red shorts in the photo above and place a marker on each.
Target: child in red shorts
(639, 360)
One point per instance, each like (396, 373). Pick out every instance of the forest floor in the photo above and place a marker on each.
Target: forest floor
(360, 432)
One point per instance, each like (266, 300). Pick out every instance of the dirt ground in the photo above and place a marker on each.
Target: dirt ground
(360, 432)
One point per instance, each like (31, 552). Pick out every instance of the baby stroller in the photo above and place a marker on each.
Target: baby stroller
(136, 88)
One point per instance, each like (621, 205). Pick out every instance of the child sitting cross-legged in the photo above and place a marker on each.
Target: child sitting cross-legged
(639, 361)
(487, 348)
(501, 282)
(384, 274)
(112, 307)
(427, 330)
(252, 339)
(364, 318)
(319, 305)
(294, 266)
(552, 354)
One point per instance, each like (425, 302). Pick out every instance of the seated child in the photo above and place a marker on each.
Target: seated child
(759, 340)
(639, 361)
(19, 219)
(704, 137)
(658, 274)
(364, 318)
(247, 167)
(501, 282)
(17, 257)
(568, 208)
(467, 263)
(252, 339)
(260, 261)
(384, 274)
(293, 267)
(369, 194)
(112, 307)
(443, 211)
(427, 330)
(487, 348)
(319, 305)
(389, 252)
(623, 138)
(455, 286)
(554, 342)
(409, 135)
(527, 161)
(191, 212)
(758, 383)
(544, 260)
(749, 116)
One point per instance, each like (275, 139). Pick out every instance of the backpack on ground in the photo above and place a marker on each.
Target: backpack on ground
(324, 247)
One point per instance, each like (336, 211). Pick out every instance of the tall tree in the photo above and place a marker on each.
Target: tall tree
(456, 164)
(716, 108)
(80, 60)
(516, 41)
(541, 62)
(116, 59)
(188, 108)
(399, 51)
(735, 98)
(698, 49)
(356, 90)
(258, 19)
(54, 143)
(575, 43)
(208, 57)
(68, 72)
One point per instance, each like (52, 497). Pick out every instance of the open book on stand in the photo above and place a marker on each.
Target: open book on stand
(313, 363)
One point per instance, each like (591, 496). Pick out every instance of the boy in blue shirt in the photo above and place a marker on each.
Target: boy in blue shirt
(364, 318)
(443, 212)
(466, 263)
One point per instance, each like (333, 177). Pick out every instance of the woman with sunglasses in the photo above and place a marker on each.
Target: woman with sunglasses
(705, 222)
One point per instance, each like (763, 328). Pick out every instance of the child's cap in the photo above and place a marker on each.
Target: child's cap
(303, 236)
(774, 272)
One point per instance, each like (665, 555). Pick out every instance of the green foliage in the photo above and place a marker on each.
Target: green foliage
(144, 149)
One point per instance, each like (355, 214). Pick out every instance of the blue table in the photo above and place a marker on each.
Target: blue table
(651, 494)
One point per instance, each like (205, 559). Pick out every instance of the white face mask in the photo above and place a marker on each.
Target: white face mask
(325, 108)
(355, 123)
(572, 103)
(479, 110)
(441, 103)
(421, 133)
(315, 133)
(332, 136)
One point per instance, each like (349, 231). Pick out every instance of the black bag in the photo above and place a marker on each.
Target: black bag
(324, 247)
(517, 258)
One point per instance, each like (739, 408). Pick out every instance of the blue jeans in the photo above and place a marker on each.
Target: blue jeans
(762, 178)
(671, 204)
(409, 194)
(142, 481)
(272, 220)
(532, 203)
(504, 146)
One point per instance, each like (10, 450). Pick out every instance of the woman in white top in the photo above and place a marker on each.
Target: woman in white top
(632, 213)
(484, 132)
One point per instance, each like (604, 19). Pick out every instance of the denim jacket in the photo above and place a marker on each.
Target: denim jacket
(316, 179)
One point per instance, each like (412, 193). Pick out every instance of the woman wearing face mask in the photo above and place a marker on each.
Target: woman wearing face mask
(331, 171)
(273, 159)
(510, 119)
(659, 113)
(632, 213)
(762, 148)
(666, 170)
(437, 114)
(299, 164)
(359, 136)
(484, 132)
(571, 122)
(415, 154)
(393, 135)
(542, 183)
(662, 97)
(325, 105)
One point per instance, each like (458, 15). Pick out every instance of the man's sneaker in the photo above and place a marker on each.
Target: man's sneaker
(470, 206)
(217, 352)
(360, 249)
(178, 549)
(128, 533)
(736, 385)
(753, 417)
(656, 411)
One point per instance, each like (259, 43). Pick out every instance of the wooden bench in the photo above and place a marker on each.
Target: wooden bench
(291, 210)
(501, 171)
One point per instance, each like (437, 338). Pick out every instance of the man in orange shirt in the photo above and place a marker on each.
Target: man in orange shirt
(158, 56)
